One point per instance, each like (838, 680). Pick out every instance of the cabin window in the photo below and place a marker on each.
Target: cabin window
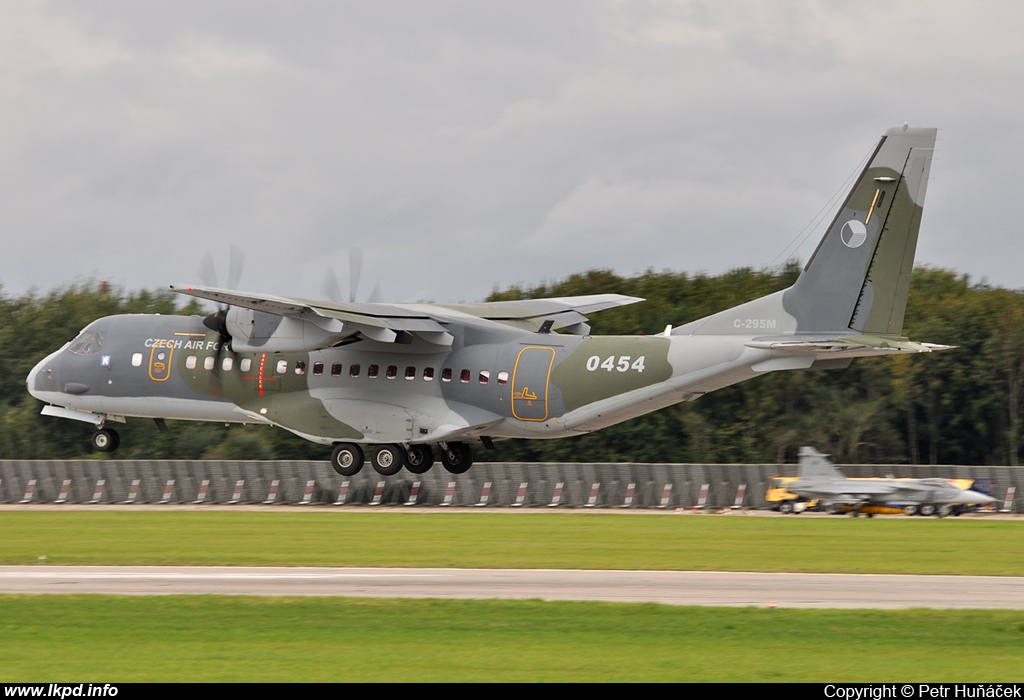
(353, 370)
(465, 376)
(190, 362)
(428, 374)
(502, 378)
(336, 369)
(485, 376)
(227, 364)
(446, 374)
(246, 364)
(300, 367)
(392, 371)
(137, 359)
(209, 362)
(410, 372)
(372, 371)
(282, 366)
(318, 368)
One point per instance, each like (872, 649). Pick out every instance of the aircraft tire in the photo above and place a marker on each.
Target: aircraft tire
(388, 460)
(927, 509)
(347, 458)
(910, 510)
(105, 440)
(457, 458)
(419, 459)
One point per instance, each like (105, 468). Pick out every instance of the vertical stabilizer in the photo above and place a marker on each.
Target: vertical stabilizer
(859, 276)
(815, 465)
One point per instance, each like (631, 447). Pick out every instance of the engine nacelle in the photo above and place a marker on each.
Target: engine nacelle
(258, 331)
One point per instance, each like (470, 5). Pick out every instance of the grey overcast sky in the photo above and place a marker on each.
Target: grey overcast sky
(469, 145)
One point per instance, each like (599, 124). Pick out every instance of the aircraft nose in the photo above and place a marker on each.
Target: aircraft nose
(974, 497)
(43, 379)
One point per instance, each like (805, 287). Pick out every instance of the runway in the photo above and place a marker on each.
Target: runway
(708, 588)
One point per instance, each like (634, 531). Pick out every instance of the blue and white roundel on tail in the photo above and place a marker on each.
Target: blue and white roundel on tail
(854, 234)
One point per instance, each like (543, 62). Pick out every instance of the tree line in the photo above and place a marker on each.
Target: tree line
(960, 406)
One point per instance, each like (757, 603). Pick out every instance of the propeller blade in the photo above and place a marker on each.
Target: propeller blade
(236, 261)
(355, 265)
(376, 296)
(330, 288)
(208, 271)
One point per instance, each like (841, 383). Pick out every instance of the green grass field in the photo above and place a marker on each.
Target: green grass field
(231, 638)
(293, 537)
(235, 638)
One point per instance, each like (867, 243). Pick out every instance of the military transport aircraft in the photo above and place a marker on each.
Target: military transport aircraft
(396, 379)
(820, 481)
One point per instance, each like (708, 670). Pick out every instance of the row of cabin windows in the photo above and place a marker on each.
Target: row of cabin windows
(354, 370)
(391, 372)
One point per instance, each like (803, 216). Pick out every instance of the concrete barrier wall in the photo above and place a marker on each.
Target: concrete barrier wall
(655, 485)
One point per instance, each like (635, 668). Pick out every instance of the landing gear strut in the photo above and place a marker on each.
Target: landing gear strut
(105, 440)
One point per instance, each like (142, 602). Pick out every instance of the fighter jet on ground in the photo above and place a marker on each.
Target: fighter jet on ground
(820, 481)
(396, 379)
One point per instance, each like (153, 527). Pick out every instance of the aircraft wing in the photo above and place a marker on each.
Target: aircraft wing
(384, 322)
(530, 314)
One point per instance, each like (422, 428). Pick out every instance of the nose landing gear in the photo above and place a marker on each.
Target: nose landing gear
(105, 440)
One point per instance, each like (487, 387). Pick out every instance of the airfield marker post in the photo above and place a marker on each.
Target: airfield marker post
(666, 496)
(65, 488)
(702, 499)
(449, 494)
(307, 496)
(740, 493)
(595, 489)
(485, 495)
(630, 491)
(133, 491)
(521, 495)
(342, 494)
(1008, 501)
(272, 496)
(97, 494)
(204, 488)
(414, 494)
(556, 497)
(168, 492)
(378, 493)
(30, 491)
(236, 495)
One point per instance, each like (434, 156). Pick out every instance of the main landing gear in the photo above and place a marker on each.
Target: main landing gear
(347, 458)
(105, 440)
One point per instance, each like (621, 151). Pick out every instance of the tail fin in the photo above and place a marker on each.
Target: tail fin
(858, 277)
(814, 465)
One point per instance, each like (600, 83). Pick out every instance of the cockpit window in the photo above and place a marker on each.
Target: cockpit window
(86, 343)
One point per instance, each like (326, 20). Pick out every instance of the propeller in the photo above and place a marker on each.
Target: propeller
(218, 320)
(331, 290)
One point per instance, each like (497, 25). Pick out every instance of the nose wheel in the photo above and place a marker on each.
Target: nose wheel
(105, 440)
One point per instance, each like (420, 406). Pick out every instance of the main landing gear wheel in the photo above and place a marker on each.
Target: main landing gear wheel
(387, 460)
(347, 458)
(419, 459)
(910, 510)
(927, 509)
(105, 440)
(457, 457)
